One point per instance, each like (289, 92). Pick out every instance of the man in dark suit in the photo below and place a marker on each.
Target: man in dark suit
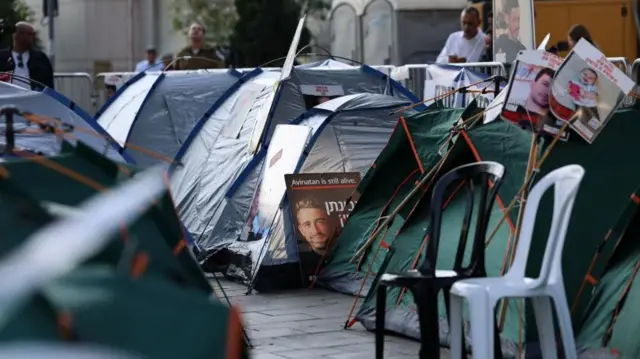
(29, 68)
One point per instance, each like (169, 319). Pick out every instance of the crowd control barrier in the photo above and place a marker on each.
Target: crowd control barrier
(78, 87)
(90, 94)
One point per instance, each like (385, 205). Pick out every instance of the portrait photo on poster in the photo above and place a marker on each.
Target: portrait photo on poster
(513, 29)
(320, 204)
(587, 89)
(527, 96)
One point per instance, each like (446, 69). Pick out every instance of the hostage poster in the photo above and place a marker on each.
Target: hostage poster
(587, 89)
(320, 204)
(527, 98)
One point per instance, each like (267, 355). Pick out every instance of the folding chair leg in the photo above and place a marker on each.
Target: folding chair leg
(544, 322)
(565, 325)
(381, 302)
(456, 327)
(426, 299)
(481, 323)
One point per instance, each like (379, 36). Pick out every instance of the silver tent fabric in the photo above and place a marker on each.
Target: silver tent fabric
(348, 134)
(118, 115)
(218, 150)
(174, 104)
(44, 105)
(218, 156)
(351, 79)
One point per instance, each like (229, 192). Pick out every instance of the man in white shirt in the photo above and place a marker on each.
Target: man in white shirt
(466, 45)
(152, 63)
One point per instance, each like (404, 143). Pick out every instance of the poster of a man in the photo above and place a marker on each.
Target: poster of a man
(513, 29)
(320, 204)
(587, 89)
(314, 224)
(527, 99)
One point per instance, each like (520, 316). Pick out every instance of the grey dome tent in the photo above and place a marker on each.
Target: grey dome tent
(152, 114)
(217, 150)
(221, 145)
(328, 78)
(342, 135)
(53, 105)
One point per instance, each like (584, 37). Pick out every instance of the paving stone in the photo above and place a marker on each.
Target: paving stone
(305, 324)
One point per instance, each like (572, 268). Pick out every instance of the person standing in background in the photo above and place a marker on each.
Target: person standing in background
(26, 63)
(577, 32)
(201, 56)
(488, 40)
(151, 63)
(466, 45)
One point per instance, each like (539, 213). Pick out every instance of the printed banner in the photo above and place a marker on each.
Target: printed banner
(443, 79)
(513, 27)
(587, 89)
(527, 97)
(320, 207)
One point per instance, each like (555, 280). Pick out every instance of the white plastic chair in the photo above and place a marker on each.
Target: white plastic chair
(483, 294)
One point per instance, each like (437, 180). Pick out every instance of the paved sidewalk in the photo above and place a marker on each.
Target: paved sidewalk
(304, 324)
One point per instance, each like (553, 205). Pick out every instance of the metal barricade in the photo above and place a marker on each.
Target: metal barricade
(78, 87)
(413, 77)
(385, 69)
(100, 91)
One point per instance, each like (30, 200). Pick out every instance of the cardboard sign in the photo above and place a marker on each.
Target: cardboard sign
(322, 90)
(320, 205)
(527, 99)
(587, 89)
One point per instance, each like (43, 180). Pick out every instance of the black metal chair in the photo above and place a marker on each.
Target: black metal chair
(426, 282)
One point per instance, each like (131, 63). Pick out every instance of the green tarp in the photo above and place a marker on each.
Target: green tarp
(167, 312)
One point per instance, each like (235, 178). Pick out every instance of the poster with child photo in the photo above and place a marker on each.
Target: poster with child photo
(587, 89)
(527, 98)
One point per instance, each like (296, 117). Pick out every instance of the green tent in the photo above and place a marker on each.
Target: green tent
(599, 202)
(165, 313)
(611, 319)
(158, 233)
(413, 148)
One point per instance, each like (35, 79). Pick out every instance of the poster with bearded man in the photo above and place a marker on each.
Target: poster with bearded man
(320, 204)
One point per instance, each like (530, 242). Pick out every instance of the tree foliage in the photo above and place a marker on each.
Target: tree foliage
(264, 31)
(11, 12)
(218, 16)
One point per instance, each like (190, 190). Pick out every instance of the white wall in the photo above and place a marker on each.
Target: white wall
(98, 30)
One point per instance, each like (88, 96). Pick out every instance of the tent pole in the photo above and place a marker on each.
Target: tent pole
(429, 177)
(539, 164)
